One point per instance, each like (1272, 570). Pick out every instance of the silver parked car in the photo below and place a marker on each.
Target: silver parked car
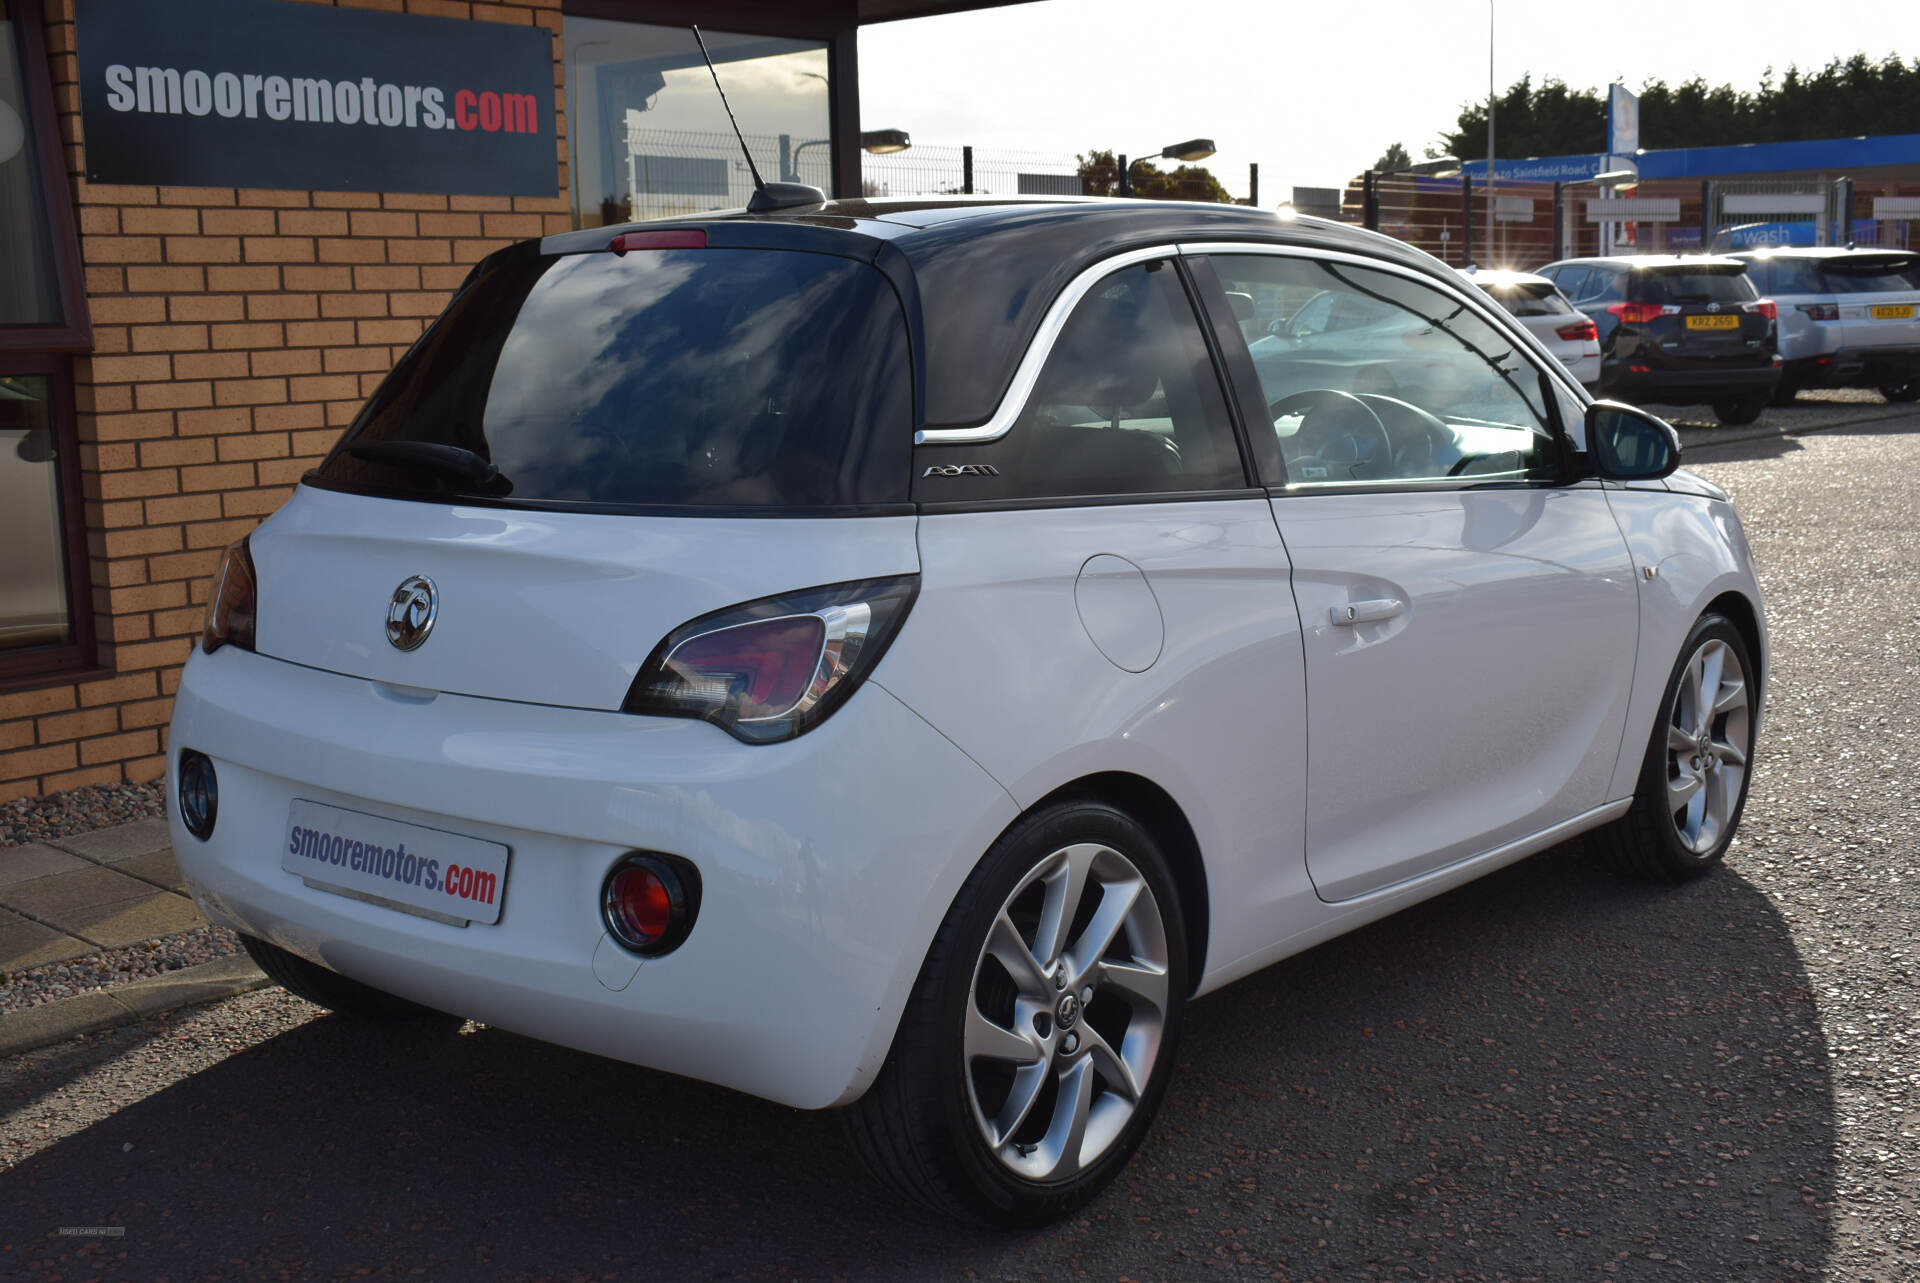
(1848, 317)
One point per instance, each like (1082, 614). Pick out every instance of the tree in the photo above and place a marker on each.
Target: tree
(1100, 176)
(1393, 158)
(1844, 98)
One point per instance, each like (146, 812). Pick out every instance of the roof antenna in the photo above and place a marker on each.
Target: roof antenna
(766, 196)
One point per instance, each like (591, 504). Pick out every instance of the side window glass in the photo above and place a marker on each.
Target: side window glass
(1572, 282)
(1607, 285)
(1405, 385)
(1128, 403)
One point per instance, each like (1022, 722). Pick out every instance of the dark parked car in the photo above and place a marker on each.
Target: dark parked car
(1677, 330)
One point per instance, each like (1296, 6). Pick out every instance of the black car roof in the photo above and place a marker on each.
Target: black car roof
(976, 275)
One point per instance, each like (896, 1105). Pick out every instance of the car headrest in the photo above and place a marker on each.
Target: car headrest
(1107, 356)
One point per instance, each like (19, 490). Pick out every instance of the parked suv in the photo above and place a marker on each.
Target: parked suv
(894, 655)
(1848, 318)
(1677, 330)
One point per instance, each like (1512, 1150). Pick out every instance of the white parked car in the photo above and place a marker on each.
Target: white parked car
(1562, 329)
(895, 655)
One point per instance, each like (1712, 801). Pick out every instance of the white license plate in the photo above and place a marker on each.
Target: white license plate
(442, 875)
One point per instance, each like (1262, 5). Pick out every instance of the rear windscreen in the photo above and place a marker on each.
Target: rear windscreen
(1690, 285)
(1870, 276)
(710, 378)
(1529, 298)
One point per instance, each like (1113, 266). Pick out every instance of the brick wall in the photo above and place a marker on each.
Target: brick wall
(236, 332)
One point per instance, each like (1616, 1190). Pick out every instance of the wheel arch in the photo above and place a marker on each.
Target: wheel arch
(1154, 808)
(1741, 613)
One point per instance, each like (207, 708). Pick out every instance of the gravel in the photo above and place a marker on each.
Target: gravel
(22, 989)
(76, 811)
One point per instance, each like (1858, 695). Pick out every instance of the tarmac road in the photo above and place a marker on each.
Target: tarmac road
(1549, 1075)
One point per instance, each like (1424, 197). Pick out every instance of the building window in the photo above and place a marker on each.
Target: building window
(46, 611)
(649, 136)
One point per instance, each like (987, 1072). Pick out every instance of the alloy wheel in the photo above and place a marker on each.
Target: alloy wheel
(1067, 1011)
(1709, 737)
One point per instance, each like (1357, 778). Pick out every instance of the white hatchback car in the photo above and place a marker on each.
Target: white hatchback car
(1562, 329)
(895, 655)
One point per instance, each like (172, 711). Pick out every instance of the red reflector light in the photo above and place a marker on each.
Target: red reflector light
(1639, 369)
(649, 903)
(1579, 331)
(1634, 313)
(641, 908)
(682, 238)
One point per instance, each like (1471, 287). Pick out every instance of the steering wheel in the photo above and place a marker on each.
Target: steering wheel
(1335, 426)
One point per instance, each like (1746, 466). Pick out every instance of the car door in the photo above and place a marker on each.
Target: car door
(1468, 609)
(1111, 592)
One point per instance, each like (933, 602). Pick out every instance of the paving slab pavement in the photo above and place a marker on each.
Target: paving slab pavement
(69, 898)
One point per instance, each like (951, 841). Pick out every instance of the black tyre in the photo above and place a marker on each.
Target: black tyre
(330, 989)
(1693, 783)
(1740, 410)
(1902, 392)
(1040, 1035)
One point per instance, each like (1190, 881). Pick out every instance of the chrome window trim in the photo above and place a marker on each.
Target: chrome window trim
(1488, 311)
(1028, 373)
(1014, 402)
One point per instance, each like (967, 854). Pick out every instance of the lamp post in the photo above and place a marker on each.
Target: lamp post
(875, 142)
(1490, 100)
(1191, 150)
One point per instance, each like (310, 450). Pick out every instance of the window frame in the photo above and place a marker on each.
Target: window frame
(73, 659)
(1249, 395)
(74, 332)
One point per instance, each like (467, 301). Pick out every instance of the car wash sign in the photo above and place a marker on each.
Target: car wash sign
(258, 93)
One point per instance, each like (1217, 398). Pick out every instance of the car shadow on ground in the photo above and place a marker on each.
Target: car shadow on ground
(1547, 1074)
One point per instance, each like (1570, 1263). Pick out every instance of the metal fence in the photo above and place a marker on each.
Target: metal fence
(676, 172)
(1533, 222)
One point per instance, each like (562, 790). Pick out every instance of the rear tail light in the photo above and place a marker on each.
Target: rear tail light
(1635, 313)
(1819, 311)
(776, 668)
(232, 605)
(1765, 307)
(649, 902)
(1579, 332)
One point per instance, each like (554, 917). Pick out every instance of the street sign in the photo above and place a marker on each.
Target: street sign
(1513, 209)
(1634, 209)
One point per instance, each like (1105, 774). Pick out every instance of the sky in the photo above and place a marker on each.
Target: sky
(1312, 92)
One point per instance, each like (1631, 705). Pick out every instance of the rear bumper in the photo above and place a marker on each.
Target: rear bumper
(827, 864)
(1687, 387)
(1855, 367)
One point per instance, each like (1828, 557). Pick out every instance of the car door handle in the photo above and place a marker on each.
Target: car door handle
(1365, 612)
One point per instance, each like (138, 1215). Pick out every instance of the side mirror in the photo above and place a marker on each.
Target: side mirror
(1627, 444)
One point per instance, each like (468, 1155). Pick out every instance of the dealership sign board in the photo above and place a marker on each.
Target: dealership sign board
(260, 93)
